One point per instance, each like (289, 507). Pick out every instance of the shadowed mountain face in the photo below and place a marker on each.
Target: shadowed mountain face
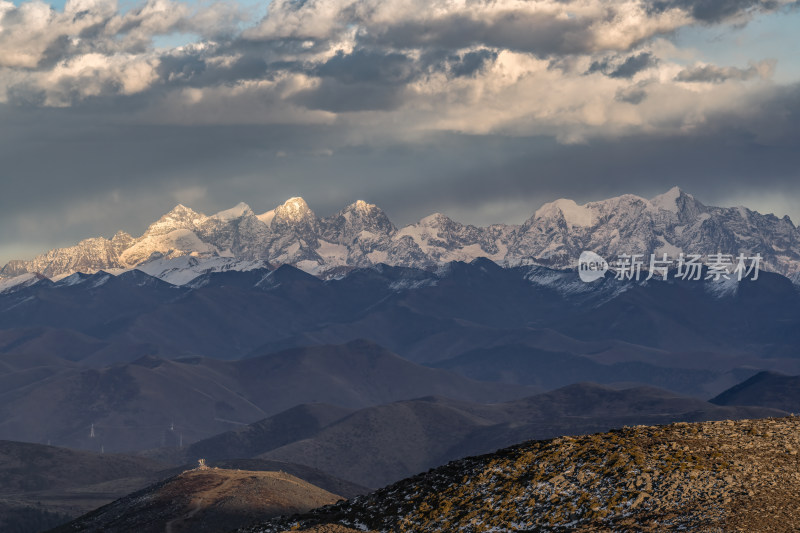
(527, 365)
(292, 425)
(487, 322)
(377, 445)
(153, 402)
(765, 389)
(204, 501)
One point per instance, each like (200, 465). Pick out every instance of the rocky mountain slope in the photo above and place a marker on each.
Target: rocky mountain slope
(710, 476)
(204, 501)
(184, 243)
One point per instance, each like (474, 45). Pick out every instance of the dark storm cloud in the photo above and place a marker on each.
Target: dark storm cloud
(633, 65)
(750, 156)
(632, 95)
(710, 11)
(365, 66)
(25, 95)
(197, 69)
(359, 81)
(628, 68)
(338, 97)
(60, 48)
(87, 157)
(716, 74)
(539, 34)
(471, 63)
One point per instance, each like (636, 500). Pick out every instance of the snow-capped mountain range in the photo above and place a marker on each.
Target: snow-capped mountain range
(183, 243)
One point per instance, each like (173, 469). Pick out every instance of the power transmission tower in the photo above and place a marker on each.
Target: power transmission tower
(91, 432)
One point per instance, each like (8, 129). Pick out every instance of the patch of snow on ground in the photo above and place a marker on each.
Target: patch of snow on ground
(378, 256)
(411, 284)
(18, 282)
(267, 217)
(723, 287)
(72, 279)
(333, 254)
(310, 267)
(182, 270)
(102, 280)
(672, 251)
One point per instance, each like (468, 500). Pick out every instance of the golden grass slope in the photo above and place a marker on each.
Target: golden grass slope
(205, 501)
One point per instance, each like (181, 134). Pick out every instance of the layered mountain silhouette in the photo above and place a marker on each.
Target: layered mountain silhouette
(184, 243)
(379, 445)
(153, 402)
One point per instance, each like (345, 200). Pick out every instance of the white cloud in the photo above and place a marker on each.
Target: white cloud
(516, 67)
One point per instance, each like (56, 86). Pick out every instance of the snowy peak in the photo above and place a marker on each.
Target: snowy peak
(361, 209)
(361, 235)
(358, 235)
(121, 237)
(293, 211)
(678, 202)
(121, 241)
(238, 211)
(360, 206)
(362, 216)
(668, 201)
(180, 217)
(435, 220)
(574, 215)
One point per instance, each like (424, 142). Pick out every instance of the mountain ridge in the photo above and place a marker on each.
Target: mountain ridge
(377, 445)
(361, 235)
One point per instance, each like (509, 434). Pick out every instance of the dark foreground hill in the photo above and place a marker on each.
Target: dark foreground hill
(382, 444)
(42, 486)
(710, 476)
(767, 389)
(204, 501)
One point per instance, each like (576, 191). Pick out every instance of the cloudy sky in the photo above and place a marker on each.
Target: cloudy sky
(113, 112)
